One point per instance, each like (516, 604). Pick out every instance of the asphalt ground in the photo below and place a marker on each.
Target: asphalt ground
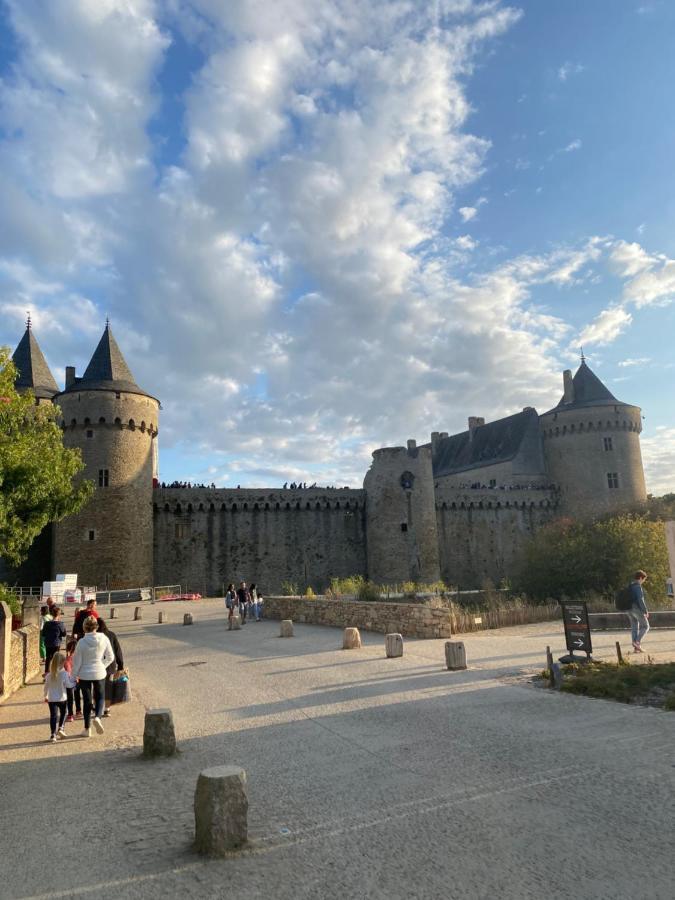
(368, 777)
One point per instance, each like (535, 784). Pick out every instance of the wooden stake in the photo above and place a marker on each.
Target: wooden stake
(549, 666)
(619, 654)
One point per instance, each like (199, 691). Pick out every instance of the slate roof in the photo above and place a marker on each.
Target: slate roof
(107, 370)
(34, 373)
(494, 442)
(588, 391)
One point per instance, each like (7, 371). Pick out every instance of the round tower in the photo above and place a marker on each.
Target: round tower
(115, 424)
(401, 535)
(592, 448)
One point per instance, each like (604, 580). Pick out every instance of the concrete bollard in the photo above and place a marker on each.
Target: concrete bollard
(393, 645)
(187, 619)
(138, 614)
(113, 612)
(286, 629)
(352, 639)
(455, 655)
(159, 737)
(221, 810)
(236, 622)
(161, 617)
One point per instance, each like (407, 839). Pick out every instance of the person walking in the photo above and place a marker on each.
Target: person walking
(256, 601)
(117, 665)
(231, 602)
(638, 612)
(73, 691)
(81, 615)
(53, 632)
(91, 659)
(244, 598)
(55, 695)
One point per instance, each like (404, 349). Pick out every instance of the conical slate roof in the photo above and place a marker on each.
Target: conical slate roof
(588, 390)
(34, 373)
(107, 369)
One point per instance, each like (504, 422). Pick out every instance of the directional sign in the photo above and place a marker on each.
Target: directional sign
(577, 628)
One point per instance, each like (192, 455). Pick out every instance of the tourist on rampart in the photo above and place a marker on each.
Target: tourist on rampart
(81, 615)
(244, 598)
(73, 690)
(53, 633)
(117, 665)
(638, 613)
(55, 695)
(92, 657)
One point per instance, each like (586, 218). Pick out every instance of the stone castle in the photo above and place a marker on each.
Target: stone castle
(458, 508)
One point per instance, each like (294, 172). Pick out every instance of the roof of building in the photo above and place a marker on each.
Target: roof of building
(34, 373)
(484, 445)
(588, 390)
(107, 370)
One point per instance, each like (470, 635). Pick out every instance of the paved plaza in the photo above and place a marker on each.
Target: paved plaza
(368, 777)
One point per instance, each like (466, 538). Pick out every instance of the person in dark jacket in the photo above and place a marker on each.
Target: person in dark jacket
(53, 633)
(81, 615)
(116, 666)
(638, 613)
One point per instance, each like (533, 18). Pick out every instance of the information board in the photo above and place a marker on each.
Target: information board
(577, 627)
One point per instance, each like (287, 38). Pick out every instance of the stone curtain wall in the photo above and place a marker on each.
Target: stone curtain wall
(410, 620)
(481, 533)
(24, 661)
(205, 538)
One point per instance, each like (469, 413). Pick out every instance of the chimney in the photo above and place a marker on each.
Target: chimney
(444, 434)
(70, 376)
(474, 422)
(568, 387)
(412, 447)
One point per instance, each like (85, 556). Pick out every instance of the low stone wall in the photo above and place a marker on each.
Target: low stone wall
(24, 662)
(619, 621)
(410, 620)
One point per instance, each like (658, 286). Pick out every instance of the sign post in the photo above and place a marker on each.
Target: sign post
(577, 631)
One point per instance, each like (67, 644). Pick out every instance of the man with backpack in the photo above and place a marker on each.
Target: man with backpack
(637, 612)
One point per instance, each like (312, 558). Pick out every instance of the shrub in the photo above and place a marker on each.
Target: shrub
(289, 589)
(10, 599)
(368, 591)
(309, 594)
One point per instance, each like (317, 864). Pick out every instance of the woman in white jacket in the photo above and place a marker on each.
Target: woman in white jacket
(92, 656)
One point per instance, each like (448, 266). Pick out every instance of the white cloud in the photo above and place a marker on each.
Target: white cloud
(568, 69)
(658, 456)
(642, 361)
(467, 212)
(606, 326)
(572, 146)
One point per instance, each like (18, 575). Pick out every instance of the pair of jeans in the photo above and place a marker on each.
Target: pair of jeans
(76, 695)
(98, 704)
(57, 714)
(49, 653)
(639, 624)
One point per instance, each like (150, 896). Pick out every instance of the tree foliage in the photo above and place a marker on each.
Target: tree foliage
(568, 558)
(37, 472)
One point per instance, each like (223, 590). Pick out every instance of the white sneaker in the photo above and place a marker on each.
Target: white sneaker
(52, 739)
(98, 725)
(62, 733)
(86, 732)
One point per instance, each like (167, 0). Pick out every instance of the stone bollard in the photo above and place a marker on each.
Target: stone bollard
(138, 614)
(286, 629)
(159, 737)
(352, 639)
(221, 810)
(393, 645)
(187, 619)
(236, 622)
(113, 612)
(161, 617)
(455, 655)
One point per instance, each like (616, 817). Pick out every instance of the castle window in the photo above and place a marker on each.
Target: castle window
(90, 433)
(612, 480)
(103, 477)
(101, 421)
(607, 443)
(404, 526)
(117, 395)
(91, 534)
(493, 482)
(181, 531)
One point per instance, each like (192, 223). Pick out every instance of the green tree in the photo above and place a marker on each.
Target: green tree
(36, 471)
(568, 558)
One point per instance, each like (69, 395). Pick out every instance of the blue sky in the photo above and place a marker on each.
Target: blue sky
(323, 227)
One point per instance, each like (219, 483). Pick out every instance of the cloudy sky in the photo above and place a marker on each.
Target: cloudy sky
(323, 226)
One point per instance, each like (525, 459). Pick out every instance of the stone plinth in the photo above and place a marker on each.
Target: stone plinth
(221, 810)
(30, 611)
(352, 639)
(113, 612)
(393, 645)
(187, 619)
(161, 617)
(286, 629)
(455, 655)
(159, 736)
(138, 614)
(235, 622)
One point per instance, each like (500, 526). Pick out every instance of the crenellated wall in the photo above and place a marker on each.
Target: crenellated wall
(204, 538)
(482, 532)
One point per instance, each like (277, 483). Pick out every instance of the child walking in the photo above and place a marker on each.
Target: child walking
(73, 691)
(55, 695)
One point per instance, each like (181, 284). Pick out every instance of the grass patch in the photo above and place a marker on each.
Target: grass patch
(646, 682)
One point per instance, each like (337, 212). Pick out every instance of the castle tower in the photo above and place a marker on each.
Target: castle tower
(592, 448)
(115, 424)
(33, 372)
(401, 534)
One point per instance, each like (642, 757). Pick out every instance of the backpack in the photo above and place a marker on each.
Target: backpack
(623, 599)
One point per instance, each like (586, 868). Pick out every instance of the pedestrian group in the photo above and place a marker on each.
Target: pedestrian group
(245, 602)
